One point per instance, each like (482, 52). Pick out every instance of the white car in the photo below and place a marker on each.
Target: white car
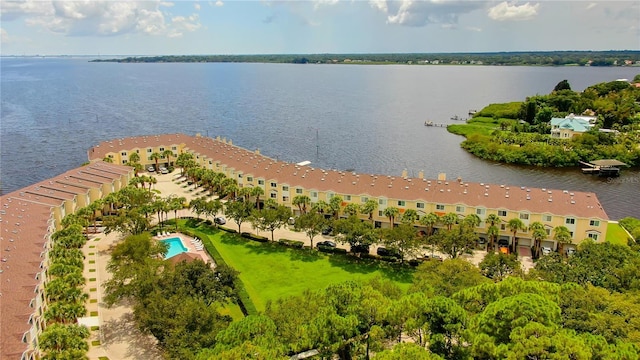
(546, 250)
(163, 170)
(151, 169)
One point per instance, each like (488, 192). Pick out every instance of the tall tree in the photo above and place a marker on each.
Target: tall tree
(449, 220)
(239, 211)
(563, 236)
(311, 223)
(335, 204)
(391, 213)
(168, 154)
(538, 234)
(301, 201)
(368, 208)
(514, 226)
(156, 156)
(409, 217)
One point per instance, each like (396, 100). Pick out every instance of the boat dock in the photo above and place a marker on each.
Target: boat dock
(431, 123)
(607, 167)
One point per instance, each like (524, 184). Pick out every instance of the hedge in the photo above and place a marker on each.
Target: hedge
(330, 249)
(293, 243)
(254, 237)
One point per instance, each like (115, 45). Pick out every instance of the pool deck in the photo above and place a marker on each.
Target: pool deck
(186, 242)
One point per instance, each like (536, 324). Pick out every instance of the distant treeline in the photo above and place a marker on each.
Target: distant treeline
(545, 58)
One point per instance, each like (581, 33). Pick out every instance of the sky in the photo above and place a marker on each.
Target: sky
(93, 27)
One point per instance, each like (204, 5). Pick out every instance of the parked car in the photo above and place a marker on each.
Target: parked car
(571, 251)
(326, 243)
(219, 220)
(164, 170)
(151, 169)
(327, 230)
(546, 250)
(503, 242)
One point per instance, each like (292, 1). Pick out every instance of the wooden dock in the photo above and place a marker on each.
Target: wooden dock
(432, 124)
(607, 167)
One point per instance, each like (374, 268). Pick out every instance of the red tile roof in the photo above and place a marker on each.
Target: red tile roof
(25, 216)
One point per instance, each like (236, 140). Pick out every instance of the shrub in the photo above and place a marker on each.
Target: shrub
(254, 237)
(226, 229)
(292, 243)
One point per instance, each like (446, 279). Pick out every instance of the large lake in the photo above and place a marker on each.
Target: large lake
(367, 118)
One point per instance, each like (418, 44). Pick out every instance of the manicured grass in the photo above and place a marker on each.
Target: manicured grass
(270, 271)
(616, 234)
(93, 313)
(232, 310)
(469, 129)
(95, 343)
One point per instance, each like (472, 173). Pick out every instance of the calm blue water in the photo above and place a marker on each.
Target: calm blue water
(367, 118)
(175, 247)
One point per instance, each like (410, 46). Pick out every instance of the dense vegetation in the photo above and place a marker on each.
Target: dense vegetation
(520, 133)
(549, 58)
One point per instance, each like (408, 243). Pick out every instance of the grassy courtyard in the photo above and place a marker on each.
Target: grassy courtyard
(616, 234)
(270, 271)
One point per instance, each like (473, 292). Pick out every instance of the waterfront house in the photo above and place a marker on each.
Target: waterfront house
(566, 128)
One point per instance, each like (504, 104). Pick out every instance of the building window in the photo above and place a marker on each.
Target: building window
(124, 153)
(249, 178)
(459, 208)
(161, 149)
(124, 161)
(274, 195)
(285, 199)
(347, 197)
(314, 194)
(285, 188)
(593, 236)
(570, 221)
(548, 231)
(524, 216)
(401, 202)
(174, 149)
(379, 212)
(137, 151)
(420, 205)
(594, 223)
(260, 182)
(502, 212)
(547, 218)
(149, 150)
(274, 184)
(503, 227)
(480, 211)
(239, 175)
(298, 191)
(439, 207)
(382, 202)
(364, 199)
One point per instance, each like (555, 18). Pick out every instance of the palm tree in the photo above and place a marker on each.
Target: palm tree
(514, 226)
(409, 217)
(563, 236)
(391, 212)
(175, 204)
(368, 208)
(301, 201)
(257, 191)
(472, 221)
(168, 154)
(449, 220)
(492, 233)
(108, 160)
(352, 209)
(152, 181)
(335, 204)
(156, 156)
(430, 220)
(320, 207)
(539, 234)
(134, 158)
(185, 160)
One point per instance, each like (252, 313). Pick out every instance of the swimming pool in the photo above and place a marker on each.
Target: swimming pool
(175, 247)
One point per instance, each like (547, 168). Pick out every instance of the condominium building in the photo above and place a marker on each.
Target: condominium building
(580, 212)
(28, 218)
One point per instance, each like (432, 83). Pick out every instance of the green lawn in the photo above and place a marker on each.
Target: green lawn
(270, 271)
(616, 234)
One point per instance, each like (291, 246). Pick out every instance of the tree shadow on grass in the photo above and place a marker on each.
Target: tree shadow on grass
(355, 265)
(122, 330)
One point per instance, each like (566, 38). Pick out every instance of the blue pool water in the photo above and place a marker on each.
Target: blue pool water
(175, 247)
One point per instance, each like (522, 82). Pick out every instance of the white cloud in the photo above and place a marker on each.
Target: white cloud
(218, 3)
(4, 36)
(508, 12)
(196, 6)
(319, 3)
(473, 28)
(421, 13)
(99, 18)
